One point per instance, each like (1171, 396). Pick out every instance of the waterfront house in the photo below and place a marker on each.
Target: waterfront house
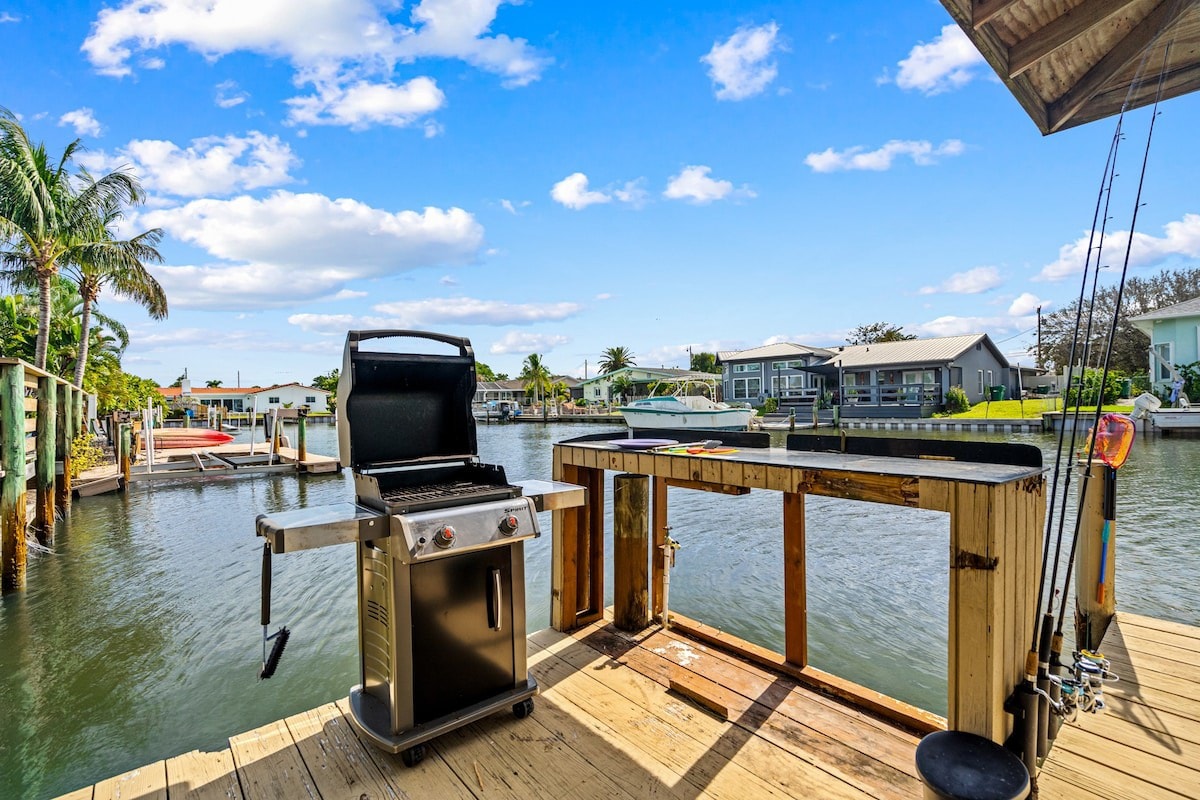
(1174, 334)
(239, 399)
(782, 370)
(647, 381)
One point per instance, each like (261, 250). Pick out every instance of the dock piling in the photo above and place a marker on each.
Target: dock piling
(301, 444)
(125, 451)
(43, 519)
(62, 448)
(12, 485)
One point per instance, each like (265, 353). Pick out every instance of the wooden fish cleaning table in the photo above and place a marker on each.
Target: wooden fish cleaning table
(994, 495)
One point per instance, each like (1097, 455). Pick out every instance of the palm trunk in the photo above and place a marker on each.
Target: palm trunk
(85, 321)
(43, 335)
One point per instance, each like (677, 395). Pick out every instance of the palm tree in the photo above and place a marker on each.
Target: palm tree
(623, 386)
(615, 358)
(46, 217)
(536, 377)
(119, 265)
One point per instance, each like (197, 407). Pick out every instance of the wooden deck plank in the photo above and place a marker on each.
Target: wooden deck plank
(778, 710)
(1151, 638)
(337, 761)
(203, 776)
(144, 783)
(1172, 774)
(1130, 621)
(430, 778)
(269, 765)
(710, 746)
(84, 793)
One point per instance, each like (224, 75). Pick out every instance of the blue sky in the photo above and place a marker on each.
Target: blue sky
(561, 178)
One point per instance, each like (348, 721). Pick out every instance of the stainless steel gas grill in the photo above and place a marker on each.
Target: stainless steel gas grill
(440, 537)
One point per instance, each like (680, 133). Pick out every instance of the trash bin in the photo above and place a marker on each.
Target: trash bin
(1127, 387)
(996, 392)
(954, 765)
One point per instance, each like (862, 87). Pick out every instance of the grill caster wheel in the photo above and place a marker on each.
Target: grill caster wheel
(413, 755)
(523, 709)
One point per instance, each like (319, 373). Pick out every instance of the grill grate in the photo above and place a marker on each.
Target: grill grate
(428, 492)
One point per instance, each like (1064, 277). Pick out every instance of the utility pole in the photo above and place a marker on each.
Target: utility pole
(1039, 339)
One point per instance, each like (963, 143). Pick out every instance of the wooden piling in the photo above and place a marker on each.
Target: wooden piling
(301, 444)
(47, 428)
(12, 485)
(126, 450)
(64, 435)
(631, 552)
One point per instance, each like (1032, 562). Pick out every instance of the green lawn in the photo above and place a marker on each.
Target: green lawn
(1016, 409)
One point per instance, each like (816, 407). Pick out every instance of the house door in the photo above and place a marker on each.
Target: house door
(914, 380)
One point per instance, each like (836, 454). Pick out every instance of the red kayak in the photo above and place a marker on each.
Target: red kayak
(171, 438)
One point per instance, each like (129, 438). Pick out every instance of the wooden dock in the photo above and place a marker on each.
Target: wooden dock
(608, 725)
(174, 463)
(1146, 744)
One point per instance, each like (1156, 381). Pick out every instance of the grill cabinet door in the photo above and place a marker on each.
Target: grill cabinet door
(458, 657)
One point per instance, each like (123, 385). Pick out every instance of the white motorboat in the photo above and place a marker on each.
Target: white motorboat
(497, 410)
(690, 411)
(1183, 417)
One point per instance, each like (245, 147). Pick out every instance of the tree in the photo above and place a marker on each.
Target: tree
(622, 386)
(329, 382)
(878, 332)
(119, 265)
(483, 372)
(47, 217)
(535, 377)
(213, 384)
(615, 358)
(1130, 346)
(704, 362)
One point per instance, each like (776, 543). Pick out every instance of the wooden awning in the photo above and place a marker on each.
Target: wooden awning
(1069, 62)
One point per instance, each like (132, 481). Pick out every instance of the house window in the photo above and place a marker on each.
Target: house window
(787, 365)
(273, 400)
(981, 381)
(236, 405)
(990, 382)
(310, 399)
(1163, 360)
(596, 392)
(747, 367)
(746, 388)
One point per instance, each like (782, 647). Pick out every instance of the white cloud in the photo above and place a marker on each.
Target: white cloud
(289, 247)
(7, 17)
(740, 67)
(348, 49)
(83, 120)
(153, 63)
(948, 62)
(572, 192)
(215, 165)
(448, 280)
(1180, 238)
(439, 310)
(228, 94)
(1025, 304)
(362, 104)
(923, 153)
(604, 296)
(973, 281)
(633, 192)
(694, 185)
(526, 343)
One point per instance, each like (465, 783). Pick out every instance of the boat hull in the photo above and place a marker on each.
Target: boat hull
(729, 419)
(1177, 419)
(169, 438)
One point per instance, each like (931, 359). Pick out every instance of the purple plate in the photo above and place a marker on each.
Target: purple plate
(642, 444)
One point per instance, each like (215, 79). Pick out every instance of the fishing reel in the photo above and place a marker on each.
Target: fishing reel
(1083, 690)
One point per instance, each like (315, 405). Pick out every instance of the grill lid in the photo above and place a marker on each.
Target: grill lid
(402, 409)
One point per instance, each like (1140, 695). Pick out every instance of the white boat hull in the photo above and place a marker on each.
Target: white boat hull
(725, 419)
(1173, 419)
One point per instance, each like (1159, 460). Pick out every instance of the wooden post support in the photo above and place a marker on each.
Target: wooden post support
(631, 551)
(62, 448)
(47, 404)
(658, 505)
(301, 444)
(126, 450)
(12, 485)
(1093, 614)
(795, 592)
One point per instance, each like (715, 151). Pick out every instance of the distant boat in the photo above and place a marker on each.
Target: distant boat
(497, 410)
(688, 411)
(1184, 418)
(172, 438)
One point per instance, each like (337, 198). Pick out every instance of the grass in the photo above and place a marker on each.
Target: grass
(1018, 409)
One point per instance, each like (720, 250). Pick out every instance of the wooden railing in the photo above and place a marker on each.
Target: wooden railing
(889, 394)
(39, 417)
(996, 510)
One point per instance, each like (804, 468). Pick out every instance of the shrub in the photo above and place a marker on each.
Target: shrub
(770, 405)
(85, 454)
(1087, 391)
(956, 400)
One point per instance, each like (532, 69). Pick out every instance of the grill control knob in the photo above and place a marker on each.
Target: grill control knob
(509, 525)
(444, 537)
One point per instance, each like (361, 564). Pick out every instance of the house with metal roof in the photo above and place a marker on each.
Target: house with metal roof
(1174, 334)
(238, 399)
(886, 379)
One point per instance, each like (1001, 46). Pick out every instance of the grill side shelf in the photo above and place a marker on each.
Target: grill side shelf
(552, 495)
(320, 526)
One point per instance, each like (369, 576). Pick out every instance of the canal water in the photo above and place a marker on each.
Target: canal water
(138, 638)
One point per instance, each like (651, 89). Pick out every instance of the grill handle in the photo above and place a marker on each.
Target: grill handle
(495, 615)
(463, 344)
